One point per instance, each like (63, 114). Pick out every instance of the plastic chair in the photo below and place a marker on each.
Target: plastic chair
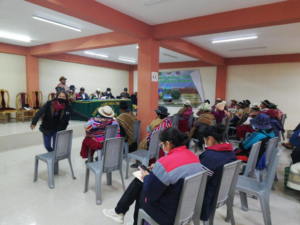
(4, 106)
(136, 127)
(225, 191)
(189, 207)
(22, 99)
(262, 190)
(37, 99)
(175, 120)
(283, 118)
(224, 121)
(62, 150)
(112, 161)
(191, 118)
(252, 161)
(226, 136)
(145, 155)
(51, 96)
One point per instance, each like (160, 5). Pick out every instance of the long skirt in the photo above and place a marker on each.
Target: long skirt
(183, 126)
(243, 130)
(89, 143)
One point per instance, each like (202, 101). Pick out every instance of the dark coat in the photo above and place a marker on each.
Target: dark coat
(85, 95)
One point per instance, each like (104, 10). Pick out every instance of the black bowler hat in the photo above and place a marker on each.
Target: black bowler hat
(108, 89)
(123, 105)
(241, 104)
(246, 102)
(125, 89)
(82, 89)
(72, 87)
(162, 111)
(266, 103)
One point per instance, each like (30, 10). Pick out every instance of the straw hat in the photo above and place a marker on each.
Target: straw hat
(220, 106)
(62, 78)
(106, 111)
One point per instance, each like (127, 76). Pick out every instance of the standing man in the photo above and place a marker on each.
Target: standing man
(83, 95)
(108, 93)
(62, 85)
(125, 94)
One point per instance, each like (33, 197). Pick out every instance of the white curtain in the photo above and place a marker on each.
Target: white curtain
(196, 77)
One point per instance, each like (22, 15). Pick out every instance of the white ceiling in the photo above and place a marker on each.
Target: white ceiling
(173, 10)
(283, 39)
(16, 18)
(131, 52)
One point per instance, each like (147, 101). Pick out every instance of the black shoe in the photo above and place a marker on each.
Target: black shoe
(135, 165)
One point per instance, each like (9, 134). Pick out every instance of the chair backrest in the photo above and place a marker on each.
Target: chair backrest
(268, 182)
(252, 160)
(170, 118)
(37, 98)
(227, 125)
(224, 121)
(112, 154)
(4, 98)
(154, 144)
(245, 116)
(191, 118)
(175, 120)
(227, 183)
(21, 99)
(283, 120)
(51, 96)
(111, 131)
(90, 96)
(63, 144)
(189, 206)
(213, 123)
(272, 144)
(136, 127)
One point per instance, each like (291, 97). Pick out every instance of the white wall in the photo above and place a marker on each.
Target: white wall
(89, 77)
(12, 75)
(278, 83)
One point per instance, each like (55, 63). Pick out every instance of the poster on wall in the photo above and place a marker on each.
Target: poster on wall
(177, 86)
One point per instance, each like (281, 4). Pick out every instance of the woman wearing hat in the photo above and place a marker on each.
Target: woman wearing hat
(62, 85)
(218, 100)
(234, 122)
(185, 112)
(277, 127)
(95, 130)
(97, 94)
(57, 114)
(233, 104)
(219, 114)
(247, 104)
(265, 105)
(263, 132)
(73, 95)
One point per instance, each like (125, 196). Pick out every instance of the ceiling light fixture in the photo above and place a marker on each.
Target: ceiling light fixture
(170, 56)
(91, 53)
(247, 49)
(56, 23)
(151, 2)
(234, 39)
(137, 46)
(127, 60)
(14, 37)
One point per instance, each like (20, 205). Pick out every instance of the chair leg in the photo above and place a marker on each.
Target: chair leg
(23, 116)
(265, 208)
(230, 216)
(282, 134)
(108, 179)
(244, 201)
(17, 117)
(8, 117)
(87, 178)
(195, 147)
(126, 146)
(71, 167)
(127, 168)
(212, 217)
(4, 118)
(50, 175)
(36, 169)
(276, 178)
(98, 177)
(56, 168)
(121, 173)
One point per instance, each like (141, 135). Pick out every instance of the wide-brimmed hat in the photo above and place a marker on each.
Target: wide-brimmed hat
(271, 113)
(220, 106)
(219, 100)
(234, 100)
(72, 87)
(187, 102)
(123, 105)
(98, 89)
(255, 106)
(162, 111)
(266, 103)
(62, 78)
(241, 104)
(261, 121)
(204, 107)
(246, 102)
(106, 111)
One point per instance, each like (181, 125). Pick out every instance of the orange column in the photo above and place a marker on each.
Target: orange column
(148, 59)
(130, 89)
(221, 82)
(32, 73)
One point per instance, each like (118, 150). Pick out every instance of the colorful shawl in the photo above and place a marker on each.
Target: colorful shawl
(163, 124)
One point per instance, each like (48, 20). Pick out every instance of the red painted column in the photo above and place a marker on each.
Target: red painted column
(32, 73)
(130, 88)
(148, 62)
(221, 82)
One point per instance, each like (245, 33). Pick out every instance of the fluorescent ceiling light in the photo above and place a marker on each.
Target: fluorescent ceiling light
(91, 53)
(150, 2)
(137, 46)
(56, 23)
(14, 37)
(127, 60)
(234, 39)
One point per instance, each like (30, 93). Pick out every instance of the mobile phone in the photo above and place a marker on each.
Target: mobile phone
(144, 168)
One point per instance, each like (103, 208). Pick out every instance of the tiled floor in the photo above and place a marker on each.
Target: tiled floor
(23, 202)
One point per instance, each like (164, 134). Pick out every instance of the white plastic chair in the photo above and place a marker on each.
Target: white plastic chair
(62, 150)
(189, 207)
(136, 126)
(112, 161)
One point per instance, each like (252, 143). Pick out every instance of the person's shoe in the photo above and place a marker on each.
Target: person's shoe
(135, 165)
(111, 213)
(287, 146)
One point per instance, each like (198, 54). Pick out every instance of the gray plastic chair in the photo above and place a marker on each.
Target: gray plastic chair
(189, 207)
(191, 120)
(262, 190)
(112, 161)
(143, 155)
(283, 118)
(224, 121)
(226, 136)
(225, 191)
(136, 126)
(175, 120)
(62, 150)
(252, 161)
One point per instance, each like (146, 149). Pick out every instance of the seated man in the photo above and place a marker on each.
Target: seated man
(125, 120)
(83, 95)
(97, 94)
(185, 112)
(125, 94)
(108, 94)
(95, 130)
(294, 140)
(62, 85)
(219, 113)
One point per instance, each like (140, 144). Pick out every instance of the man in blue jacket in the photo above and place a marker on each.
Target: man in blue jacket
(83, 95)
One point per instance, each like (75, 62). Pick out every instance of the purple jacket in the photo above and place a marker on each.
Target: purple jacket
(219, 115)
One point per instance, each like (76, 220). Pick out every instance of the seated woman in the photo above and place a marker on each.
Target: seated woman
(159, 194)
(160, 123)
(263, 132)
(294, 140)
(219, 114)
(95, 130)
(279, 113)
(217, 154)
(234, 122)
(185, 112)
(274, 122)
(204, 121)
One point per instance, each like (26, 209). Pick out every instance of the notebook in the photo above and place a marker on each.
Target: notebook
(138, 175)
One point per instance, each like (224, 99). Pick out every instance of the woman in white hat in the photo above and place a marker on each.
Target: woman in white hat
(95, 130)
(97, 94)
(185, 112)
